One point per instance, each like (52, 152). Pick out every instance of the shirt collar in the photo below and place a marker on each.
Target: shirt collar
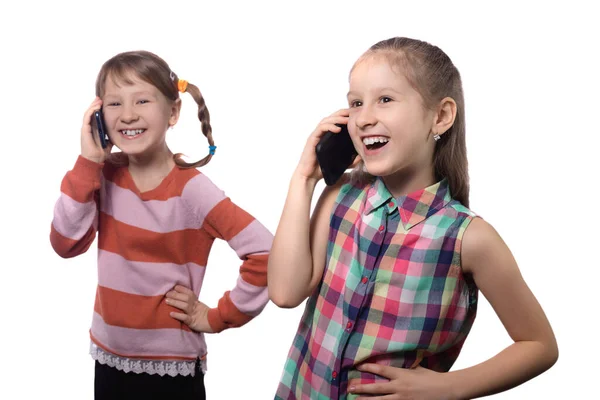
(414, 207)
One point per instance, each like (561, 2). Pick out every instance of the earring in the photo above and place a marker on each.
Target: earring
(436, 137)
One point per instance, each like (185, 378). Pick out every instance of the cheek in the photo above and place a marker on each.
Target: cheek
(166, 115)
(352, 129)
(110, 118)
(353, 135)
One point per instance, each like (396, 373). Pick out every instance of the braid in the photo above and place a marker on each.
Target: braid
(204, 117)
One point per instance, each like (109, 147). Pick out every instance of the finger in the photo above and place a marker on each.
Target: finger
(96, 105)
(97, 100)
(87, 117)
(386, 397)
(342, 120)
(372, 388)
(186, 319)
(354, 382)
(381, 370)
(343, 111)
(330, 127)
(182, 305)
(183, 289)
(178, 296)
(322, 128)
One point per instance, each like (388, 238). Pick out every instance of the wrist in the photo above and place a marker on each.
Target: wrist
(300, 180)
(97, 160)
(87, 169)
(451, 386)
(216, 323)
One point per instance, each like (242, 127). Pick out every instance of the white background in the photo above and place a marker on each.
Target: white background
(269, 73)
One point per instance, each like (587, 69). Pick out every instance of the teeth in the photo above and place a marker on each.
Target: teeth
(372, 140)
(132, 132)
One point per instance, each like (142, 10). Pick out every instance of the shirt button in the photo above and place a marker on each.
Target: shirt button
(391, 204)
(349, 325)
(381, 228)
(364, 279)
(334, 374)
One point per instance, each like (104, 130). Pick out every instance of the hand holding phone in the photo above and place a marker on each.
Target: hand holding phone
(93, 130)
(335, 154)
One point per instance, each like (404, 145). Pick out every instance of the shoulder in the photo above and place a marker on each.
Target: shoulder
(345, 188)
(348, 189)
(198, 191)
(194, 183)
(457, 208)
(480, 243)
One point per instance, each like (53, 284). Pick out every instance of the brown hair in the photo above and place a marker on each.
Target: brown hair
(152, 69)
(431, 73)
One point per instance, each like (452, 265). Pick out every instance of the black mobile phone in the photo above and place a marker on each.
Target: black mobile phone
(335, 153)
(102, 132)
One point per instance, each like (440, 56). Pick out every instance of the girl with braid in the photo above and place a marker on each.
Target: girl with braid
(156, 217)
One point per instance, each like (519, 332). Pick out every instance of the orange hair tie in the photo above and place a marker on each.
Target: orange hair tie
(182, 85)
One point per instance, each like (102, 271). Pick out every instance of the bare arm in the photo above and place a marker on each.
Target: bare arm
(298, 254)
(488, 259)
(299, 249)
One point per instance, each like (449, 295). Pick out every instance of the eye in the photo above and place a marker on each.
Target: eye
(385, 99)
(144, 101)
(113, 104)
(355, 103)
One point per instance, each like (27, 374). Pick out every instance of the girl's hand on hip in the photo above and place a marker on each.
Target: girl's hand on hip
(195, 313)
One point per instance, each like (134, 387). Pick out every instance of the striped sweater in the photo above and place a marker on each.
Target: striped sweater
(147, 243)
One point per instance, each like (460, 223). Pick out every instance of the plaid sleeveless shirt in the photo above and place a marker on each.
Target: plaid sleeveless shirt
(392, 292)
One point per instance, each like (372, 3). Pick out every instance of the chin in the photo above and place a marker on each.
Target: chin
(378, 169)
(132, 149)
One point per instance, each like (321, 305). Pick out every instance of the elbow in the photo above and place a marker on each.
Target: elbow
(62, 251)
(64, 255)
(548, 355)
(282, 299)
(552, 354)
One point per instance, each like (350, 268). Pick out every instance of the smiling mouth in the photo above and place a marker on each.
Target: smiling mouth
(132, 132)
(375, 142)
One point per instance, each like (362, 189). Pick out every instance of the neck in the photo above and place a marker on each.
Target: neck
(408, 181)
(158, 163)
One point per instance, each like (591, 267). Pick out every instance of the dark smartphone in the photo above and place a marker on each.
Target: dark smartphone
(335, 153)
(102, 132)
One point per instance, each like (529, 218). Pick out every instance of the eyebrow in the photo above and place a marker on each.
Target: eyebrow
(145, 93)
(379, 89)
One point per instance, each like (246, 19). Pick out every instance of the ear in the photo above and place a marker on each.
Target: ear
(175, 110)
(444, 116)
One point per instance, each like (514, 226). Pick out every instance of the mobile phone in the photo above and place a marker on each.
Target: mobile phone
(102, 132)
(335, 153)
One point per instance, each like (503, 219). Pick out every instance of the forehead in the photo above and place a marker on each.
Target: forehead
(377, 70)
(126, 82)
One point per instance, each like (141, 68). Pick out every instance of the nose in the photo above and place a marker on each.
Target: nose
(365, 117)
(128, 114)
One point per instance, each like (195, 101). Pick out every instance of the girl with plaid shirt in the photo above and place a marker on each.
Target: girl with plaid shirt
(392, 258)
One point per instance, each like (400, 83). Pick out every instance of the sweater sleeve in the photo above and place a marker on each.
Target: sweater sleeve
(75, 219)
(251, 241)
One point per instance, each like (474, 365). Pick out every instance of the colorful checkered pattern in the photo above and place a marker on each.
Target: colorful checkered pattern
(392, 293)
